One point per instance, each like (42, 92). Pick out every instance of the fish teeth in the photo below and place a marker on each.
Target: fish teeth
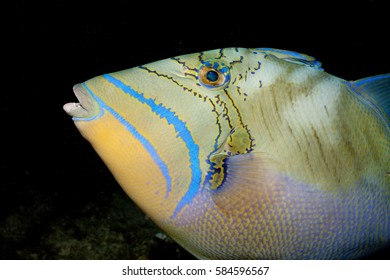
(74, 109)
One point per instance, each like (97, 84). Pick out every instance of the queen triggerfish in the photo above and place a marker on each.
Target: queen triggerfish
(240, 153)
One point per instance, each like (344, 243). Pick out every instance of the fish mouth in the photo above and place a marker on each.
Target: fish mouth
(85, 108)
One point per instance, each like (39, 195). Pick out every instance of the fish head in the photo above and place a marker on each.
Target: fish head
(158, 126)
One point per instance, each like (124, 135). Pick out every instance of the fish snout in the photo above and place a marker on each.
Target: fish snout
(85, 107)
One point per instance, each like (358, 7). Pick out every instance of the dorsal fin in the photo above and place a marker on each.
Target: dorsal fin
(378, 88)
(294, 57)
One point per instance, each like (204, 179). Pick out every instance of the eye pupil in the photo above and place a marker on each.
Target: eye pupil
(212, 76)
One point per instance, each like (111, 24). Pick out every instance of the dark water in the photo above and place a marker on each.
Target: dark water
(57, 199)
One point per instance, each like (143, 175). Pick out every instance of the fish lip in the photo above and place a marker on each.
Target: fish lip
(83, 108)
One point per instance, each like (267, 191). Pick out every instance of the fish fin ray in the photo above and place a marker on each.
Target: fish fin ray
(294, 57)
(247, 175)
(378, 88)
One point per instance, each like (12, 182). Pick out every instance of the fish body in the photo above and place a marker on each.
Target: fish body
(247, 153)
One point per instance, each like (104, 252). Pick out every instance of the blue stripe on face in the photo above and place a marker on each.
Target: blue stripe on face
(149, 147)
(90, 118)
(182, 132)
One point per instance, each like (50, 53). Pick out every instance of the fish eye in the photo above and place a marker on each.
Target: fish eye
(213, 75)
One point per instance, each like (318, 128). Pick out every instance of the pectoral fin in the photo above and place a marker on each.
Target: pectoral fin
(237, 142)
(247, 178)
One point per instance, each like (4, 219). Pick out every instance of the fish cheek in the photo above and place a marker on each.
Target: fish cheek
(128, 161)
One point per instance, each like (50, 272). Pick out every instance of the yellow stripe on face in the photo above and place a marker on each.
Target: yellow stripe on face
(129, 161)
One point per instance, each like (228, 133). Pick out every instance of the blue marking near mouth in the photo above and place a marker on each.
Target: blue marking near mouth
(90, 118)
(182, 132)
(147, 145)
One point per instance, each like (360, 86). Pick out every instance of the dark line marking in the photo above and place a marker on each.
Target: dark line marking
(326, 111)
(236, 61)
(318, 140)
(265, 122)
(258, 66)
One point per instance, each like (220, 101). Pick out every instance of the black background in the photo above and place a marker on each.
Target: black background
(51, 179)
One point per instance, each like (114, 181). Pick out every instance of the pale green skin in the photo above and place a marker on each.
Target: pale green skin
(303, 155)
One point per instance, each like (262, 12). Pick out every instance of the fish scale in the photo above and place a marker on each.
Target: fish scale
(247, 153)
